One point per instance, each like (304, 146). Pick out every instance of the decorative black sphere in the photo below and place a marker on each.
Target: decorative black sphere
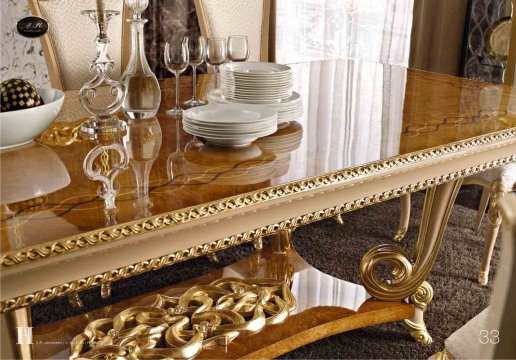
(18, 94)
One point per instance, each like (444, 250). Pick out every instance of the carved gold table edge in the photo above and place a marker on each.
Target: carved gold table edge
(193, 252)
(117, 232)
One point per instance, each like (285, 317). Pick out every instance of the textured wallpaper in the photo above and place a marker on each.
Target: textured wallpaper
(21, 57)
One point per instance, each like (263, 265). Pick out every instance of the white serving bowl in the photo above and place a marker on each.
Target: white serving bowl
(20, 127)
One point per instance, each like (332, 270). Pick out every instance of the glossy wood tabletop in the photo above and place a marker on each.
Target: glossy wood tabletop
(355, 112)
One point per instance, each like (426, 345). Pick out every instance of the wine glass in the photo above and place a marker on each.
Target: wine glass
(197, 55)
(216, 55)
(176, 61)
(238, 48)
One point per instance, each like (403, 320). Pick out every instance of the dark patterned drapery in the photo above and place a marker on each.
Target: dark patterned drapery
(169, 20)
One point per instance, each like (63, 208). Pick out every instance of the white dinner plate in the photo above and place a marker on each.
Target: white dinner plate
(268, 82)
(234, 130)
(294, 100)
(230, 89)
(224, 135)
(256, 68)
(230, 113)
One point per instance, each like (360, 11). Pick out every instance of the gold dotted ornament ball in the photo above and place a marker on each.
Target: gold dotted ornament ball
(18, 94)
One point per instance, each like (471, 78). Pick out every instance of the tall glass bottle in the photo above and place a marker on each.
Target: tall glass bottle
(143, 95)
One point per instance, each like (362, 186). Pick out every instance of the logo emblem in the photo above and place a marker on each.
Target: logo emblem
(24, 335)
(32, 26)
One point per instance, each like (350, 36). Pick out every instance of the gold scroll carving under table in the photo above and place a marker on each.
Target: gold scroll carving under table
(150, 326)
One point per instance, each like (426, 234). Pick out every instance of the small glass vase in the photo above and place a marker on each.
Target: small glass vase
(142, 91)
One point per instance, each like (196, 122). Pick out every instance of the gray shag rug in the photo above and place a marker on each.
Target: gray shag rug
(336, 250)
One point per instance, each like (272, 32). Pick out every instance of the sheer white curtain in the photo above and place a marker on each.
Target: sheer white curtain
(353, 109)
(376, 30)
(353, 113)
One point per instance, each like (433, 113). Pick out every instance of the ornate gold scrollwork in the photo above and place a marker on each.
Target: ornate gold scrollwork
(419, 332)
(423, 295)
(401, 272)
(443, 355)
(421, 298)
(181, 327)
(407, 277)
(61, 134)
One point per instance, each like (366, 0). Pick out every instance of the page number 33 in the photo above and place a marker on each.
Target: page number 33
(487, 336)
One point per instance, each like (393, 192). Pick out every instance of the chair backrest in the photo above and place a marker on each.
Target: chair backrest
(69, 45)
(221, 18)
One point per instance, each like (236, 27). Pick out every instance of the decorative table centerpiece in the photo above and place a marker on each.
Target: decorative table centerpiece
(103, 120)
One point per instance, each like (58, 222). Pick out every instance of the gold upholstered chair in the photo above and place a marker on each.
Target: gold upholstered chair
(222, 18)
(68, 45)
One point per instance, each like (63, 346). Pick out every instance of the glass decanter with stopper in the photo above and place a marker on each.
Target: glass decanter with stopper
(143, 95)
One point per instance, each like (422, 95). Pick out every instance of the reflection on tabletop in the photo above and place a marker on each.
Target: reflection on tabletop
(372, 112)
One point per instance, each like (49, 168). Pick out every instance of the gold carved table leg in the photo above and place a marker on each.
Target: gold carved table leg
(338, 219)
(16, 330)
(408, 276)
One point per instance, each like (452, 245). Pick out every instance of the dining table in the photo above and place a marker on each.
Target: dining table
(370, 132)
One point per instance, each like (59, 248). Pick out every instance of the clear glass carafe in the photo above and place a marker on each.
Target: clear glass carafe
(143, 94)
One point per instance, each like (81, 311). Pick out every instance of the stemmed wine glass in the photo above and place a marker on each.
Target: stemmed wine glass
(238, 48)
(216, 55)
(197, 55)
(176, 61)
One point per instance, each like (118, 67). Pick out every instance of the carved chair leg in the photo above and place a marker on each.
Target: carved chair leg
(484, 200)
(404, 217)
(279, 267)
(417, 327)
(214, 259)
(75, 300)
(105, 290)
(498, 191)
(281, 241)
(338, 219)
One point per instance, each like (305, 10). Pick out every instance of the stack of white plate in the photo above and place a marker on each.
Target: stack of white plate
(288, 109)
(230, 124)
(256, 82)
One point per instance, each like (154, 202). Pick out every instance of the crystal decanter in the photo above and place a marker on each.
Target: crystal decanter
(143, 95)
